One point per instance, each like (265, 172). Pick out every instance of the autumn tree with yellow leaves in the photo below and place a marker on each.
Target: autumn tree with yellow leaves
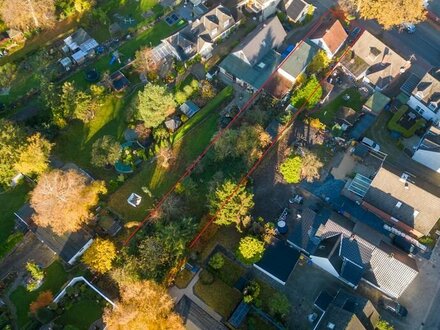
(100, 255)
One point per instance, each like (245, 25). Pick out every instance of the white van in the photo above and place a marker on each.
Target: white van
(370, 143)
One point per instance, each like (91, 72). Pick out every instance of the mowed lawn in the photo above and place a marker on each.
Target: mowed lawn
(75, 143)
(327, 113)
(55, 277)
(10, 202)
(198, 132)
(81, 315)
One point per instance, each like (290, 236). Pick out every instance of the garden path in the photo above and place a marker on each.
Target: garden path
(177, 294)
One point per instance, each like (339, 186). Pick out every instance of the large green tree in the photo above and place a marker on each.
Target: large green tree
(153, 258)
(319, 62)
(231, 204)
(105, 151)
(291, 169)
(308, 94)
(155, 103)
(11, 142)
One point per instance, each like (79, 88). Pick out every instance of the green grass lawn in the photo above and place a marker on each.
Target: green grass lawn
(219, 296)
(183, 278)
(55, 278)
(10, 201)
(328, 112)
(75, 143)
(393, 124)
(81, 315)
(159, 179)
(230, 272)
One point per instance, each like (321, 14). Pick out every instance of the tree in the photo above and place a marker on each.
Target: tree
(105, 151)
(291, 169)
(224, 147)
(8, 73)
(62, 200)
(144, 61)
(250, 143)
(155, 104)
(279, 304)
(319, 62)
(176, 234)
(11, 140)
(44, 299)
(34, 158)
(26, 15)
(153, 258)
(231, 204)
(36, 274)
(384, 325)
(82, 6)
(207, 91)
(217, 261)
(392, 13)
(310, 166)
(143, 305)
(250, 250)
(251, 292)
(308, 94)
(87, 103)
(165, 155)
(100, 255)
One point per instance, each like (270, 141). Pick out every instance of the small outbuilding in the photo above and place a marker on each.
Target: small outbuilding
(173, 124)
(376, 103)
(189, 108)
(119, 81)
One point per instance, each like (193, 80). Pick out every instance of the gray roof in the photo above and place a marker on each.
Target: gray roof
(267, 36)
(253, 75)
(354, 256)
(431, 140)
(295, 8)
(428, 89)
(299, 59)
(189, 108)
(66, 246)
(304, 229)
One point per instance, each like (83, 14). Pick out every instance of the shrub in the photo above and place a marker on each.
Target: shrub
(180, 97)
(206, 277)
(188, 90)
(279, 304)
(44, 299)
(291, 169)
(44, 315)
(217, 261)
(251, 292)
(427, 240)
(250, 250)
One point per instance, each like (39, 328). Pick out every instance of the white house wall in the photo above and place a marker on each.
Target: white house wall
(286, 75)
(321, 44)
(325, 264)
(428, 158)
(428, 114)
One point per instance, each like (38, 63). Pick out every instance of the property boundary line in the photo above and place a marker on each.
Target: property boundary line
(269, 148)
(191, 167)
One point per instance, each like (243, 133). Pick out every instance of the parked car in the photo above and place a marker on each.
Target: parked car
(370, 143)
(409, 27)
(393, 306)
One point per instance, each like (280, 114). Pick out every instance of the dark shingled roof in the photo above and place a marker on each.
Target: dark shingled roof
(279, 260)
(66, 246)
(295, 8)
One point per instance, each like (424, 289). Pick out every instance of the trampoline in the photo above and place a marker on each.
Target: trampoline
(92, 75)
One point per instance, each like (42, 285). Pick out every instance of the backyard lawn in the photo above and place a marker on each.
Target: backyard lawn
(327, 113)
(81, 314)
(10, 201)
(55, 277)
(219, 296)
(159, 179)
(230, 272)
(402, 123)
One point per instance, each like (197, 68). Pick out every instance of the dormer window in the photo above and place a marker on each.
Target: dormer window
(432, 106)
(419, 95)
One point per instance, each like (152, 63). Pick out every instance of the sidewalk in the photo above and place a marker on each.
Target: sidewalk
(177, 294)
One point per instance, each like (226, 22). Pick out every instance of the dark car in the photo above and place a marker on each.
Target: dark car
(393, 306)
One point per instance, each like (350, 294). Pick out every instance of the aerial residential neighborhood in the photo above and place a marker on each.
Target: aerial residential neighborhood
(219, 164)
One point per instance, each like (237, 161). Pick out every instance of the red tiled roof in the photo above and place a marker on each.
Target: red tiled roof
(333, 36)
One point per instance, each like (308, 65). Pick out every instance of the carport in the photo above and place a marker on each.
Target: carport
(364, 123)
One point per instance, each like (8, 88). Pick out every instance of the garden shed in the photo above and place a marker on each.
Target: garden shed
(376, 103)
(173, 124)
(189, 108)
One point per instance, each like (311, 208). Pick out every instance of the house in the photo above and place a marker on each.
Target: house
(69, 247)
(80, 44)
(252, 62)
(198, 37)
(330, 37)
(262, 8)
(278, 261)
(399, 198)
(428, 150)
(282, 81)
(373, 62)
(376, 103)
(346, 311)
(173, 124)
(353, 252)
(189, 108)
(425, 98)
(296, 10)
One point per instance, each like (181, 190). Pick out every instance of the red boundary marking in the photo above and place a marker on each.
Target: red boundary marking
(191, 167)
(277, 138)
